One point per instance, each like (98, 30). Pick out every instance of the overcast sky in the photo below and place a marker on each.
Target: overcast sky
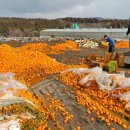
(65, 8)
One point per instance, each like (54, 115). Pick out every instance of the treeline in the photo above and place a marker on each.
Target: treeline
(25, 27)
(106, 23)
(32, 27)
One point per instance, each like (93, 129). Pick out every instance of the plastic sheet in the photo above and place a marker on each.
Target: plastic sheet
(12, 122)
(124, 96)
(9, 125)
(112, 81)
(6, 75)
(91, 75)
(104, 80)
(76, 71)
(9, 99)
(8, 90)
(107, 82)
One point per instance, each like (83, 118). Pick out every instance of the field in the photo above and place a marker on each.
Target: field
(58, 101)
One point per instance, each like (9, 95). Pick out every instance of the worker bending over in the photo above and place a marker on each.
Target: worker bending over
(111, 43)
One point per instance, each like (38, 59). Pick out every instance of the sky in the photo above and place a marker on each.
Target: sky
(51, 9)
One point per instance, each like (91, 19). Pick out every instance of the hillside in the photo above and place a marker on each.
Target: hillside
(31, 27)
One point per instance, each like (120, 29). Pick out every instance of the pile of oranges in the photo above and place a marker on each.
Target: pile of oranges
(30, 63)
(108, 109)
(42, 110)
(41, 47)
(46, 49)
(122, 44)
(69, 45)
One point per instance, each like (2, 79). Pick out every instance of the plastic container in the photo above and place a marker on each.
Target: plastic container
(112, 66)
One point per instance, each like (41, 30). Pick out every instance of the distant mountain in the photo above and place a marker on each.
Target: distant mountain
(99, 18)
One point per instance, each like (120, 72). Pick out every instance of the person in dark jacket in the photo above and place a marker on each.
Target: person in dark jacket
(128, 31)
(111, 43)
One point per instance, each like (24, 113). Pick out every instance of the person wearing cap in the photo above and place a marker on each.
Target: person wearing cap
(111, 43)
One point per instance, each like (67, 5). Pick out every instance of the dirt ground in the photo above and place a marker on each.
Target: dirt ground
(68, 57)
(74, 57)
(67, 98)
(57, 91)
(81, 118)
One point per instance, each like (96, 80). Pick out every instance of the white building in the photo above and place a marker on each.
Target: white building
(119, 33)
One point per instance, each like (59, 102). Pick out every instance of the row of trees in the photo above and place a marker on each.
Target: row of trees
(31, 27)
(114, 23)
(25, 27)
